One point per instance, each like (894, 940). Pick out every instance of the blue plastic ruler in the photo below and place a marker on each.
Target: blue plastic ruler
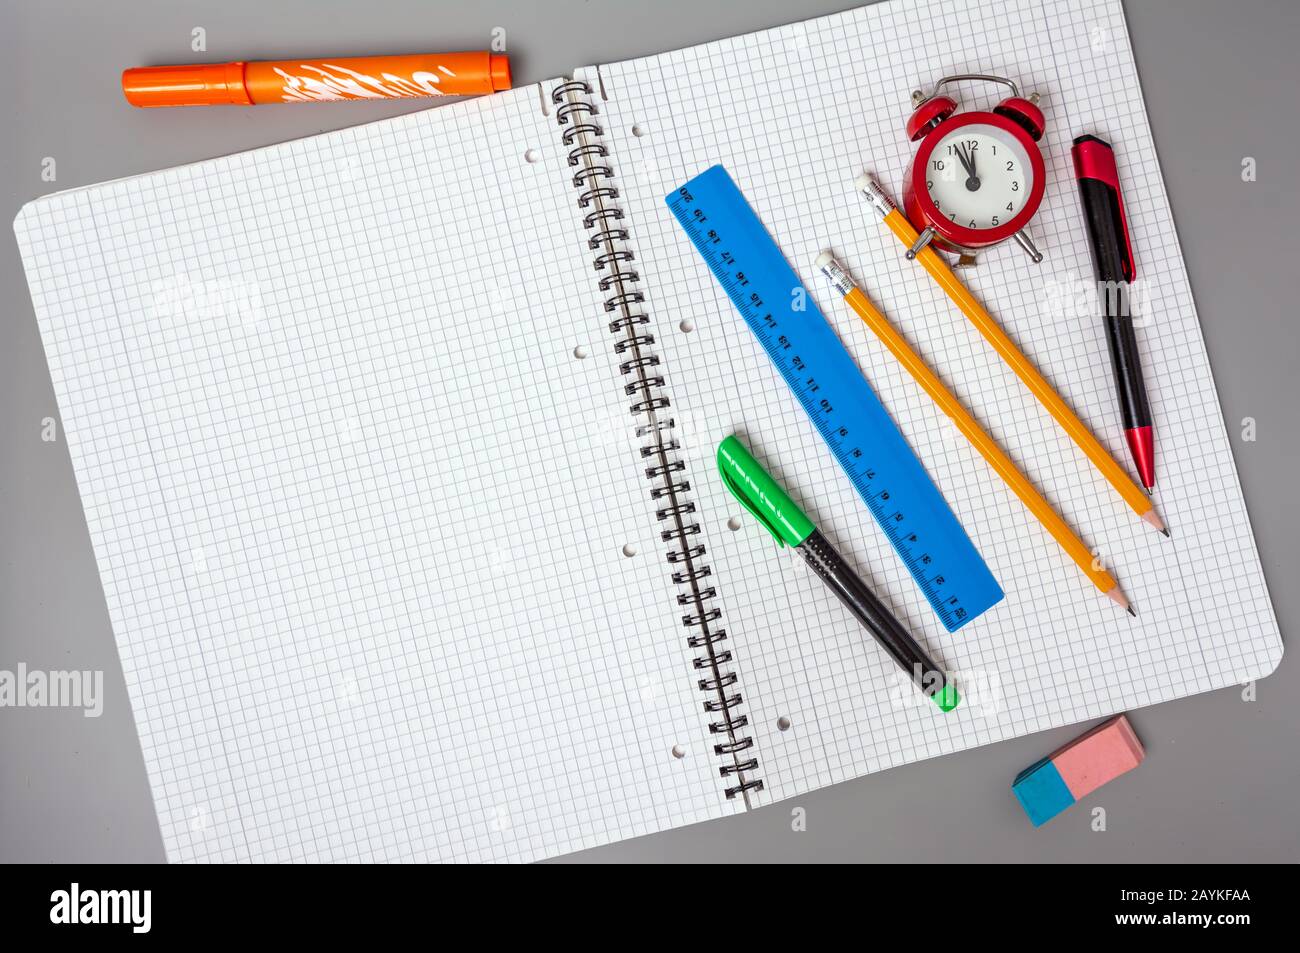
(837, 398)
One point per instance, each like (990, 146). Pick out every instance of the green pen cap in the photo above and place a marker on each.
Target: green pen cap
(946, 698)
(761, 495)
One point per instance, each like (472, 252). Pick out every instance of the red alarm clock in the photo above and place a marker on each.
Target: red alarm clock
(977, 178)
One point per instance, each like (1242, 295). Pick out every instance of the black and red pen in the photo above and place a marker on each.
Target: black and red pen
(1112, 259)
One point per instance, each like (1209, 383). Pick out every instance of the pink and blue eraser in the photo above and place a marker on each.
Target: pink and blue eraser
(1048, 787)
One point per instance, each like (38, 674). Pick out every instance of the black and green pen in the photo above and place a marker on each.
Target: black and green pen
(767, 501)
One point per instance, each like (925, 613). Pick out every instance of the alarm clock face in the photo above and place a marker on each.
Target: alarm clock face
(979, 176)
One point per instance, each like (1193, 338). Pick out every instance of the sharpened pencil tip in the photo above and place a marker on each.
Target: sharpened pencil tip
(1168, 535)
(1152, 517)
(1116, 595)
(1132, 612)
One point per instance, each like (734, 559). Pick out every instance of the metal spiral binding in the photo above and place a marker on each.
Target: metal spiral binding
(594, 177)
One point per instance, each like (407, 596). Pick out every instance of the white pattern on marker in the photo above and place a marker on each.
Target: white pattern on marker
(354, 85)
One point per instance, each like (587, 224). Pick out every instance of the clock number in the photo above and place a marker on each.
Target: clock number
(1015, 186)
(929, 184)
(1010, 165)
(938, 165)
(1008, 206)
(995, 219)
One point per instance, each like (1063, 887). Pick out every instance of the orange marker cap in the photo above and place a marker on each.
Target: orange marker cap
(220, 84)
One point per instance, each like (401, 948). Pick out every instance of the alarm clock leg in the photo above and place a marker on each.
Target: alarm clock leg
(1030, 248)
(922, 240)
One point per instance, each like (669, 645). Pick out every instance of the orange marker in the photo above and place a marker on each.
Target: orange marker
(315, 81)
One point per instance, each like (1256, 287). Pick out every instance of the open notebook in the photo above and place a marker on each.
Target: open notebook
(390, 573)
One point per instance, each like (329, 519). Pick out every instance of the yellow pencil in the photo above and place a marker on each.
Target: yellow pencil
(994, 455)
(1134, 496)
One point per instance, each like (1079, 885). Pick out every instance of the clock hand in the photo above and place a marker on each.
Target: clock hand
(965, 162)
(973, 180)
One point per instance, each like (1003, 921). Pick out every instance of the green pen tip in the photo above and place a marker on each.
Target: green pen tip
(947, 698)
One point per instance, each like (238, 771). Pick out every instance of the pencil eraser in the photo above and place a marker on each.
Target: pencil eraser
(824, 259)
(1042, 792)
(862, 181)
(1101, 755)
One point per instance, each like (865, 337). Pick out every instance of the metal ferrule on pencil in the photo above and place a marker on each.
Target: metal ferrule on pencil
(832, 269)
(876, 195)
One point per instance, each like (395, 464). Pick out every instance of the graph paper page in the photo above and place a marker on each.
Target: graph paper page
(358, 470)
(796, 114)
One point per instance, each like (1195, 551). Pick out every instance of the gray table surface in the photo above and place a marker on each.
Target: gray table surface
(1222, 773)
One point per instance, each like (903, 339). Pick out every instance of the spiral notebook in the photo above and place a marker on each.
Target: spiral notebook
(395, 446)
